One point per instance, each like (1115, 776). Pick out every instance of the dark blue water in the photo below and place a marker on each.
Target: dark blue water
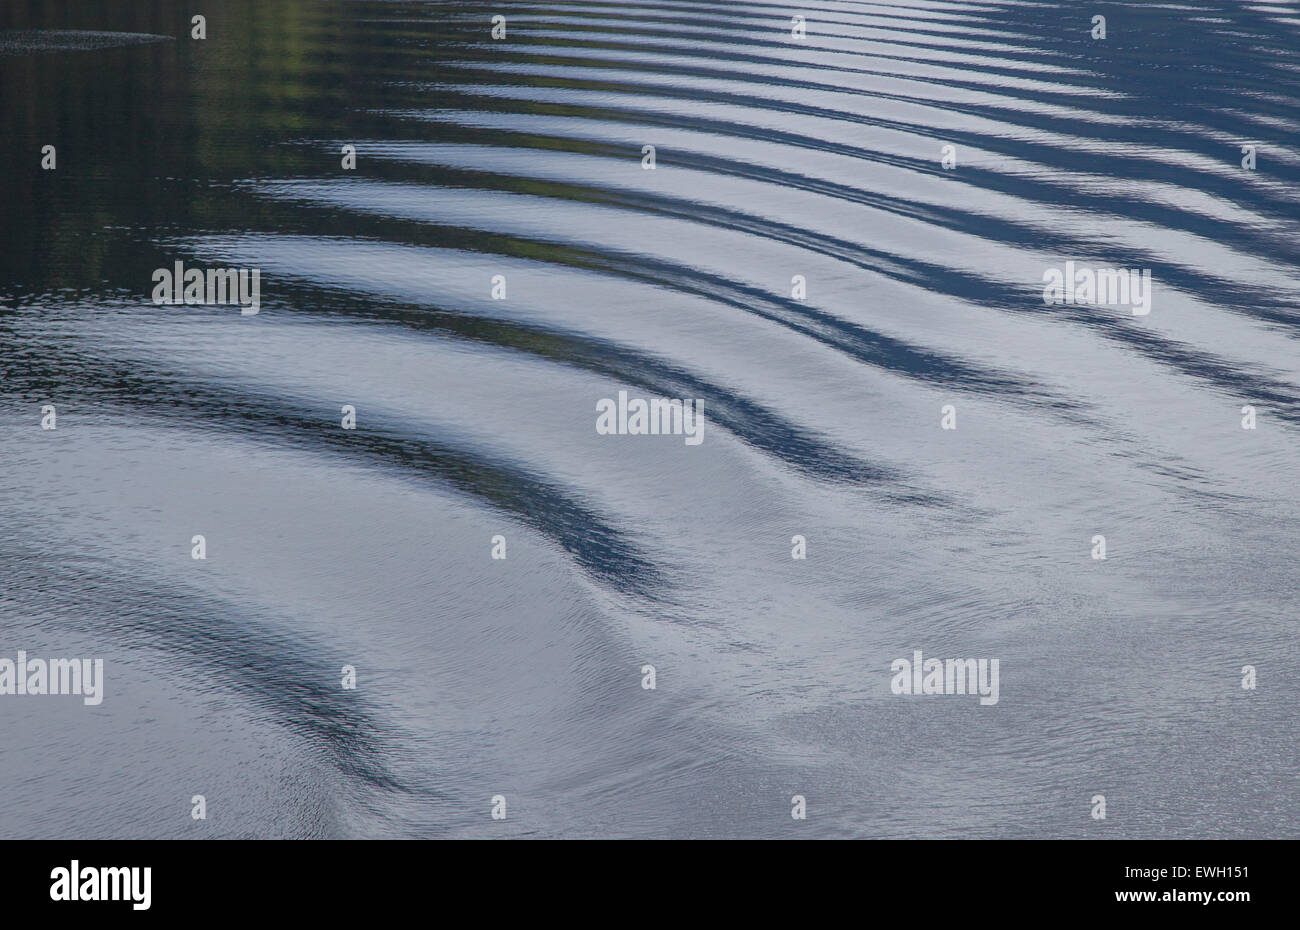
(475, 418)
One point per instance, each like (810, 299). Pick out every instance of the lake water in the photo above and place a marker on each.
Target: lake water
(802, 262)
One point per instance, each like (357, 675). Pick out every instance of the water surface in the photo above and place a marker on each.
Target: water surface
(475, 418)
